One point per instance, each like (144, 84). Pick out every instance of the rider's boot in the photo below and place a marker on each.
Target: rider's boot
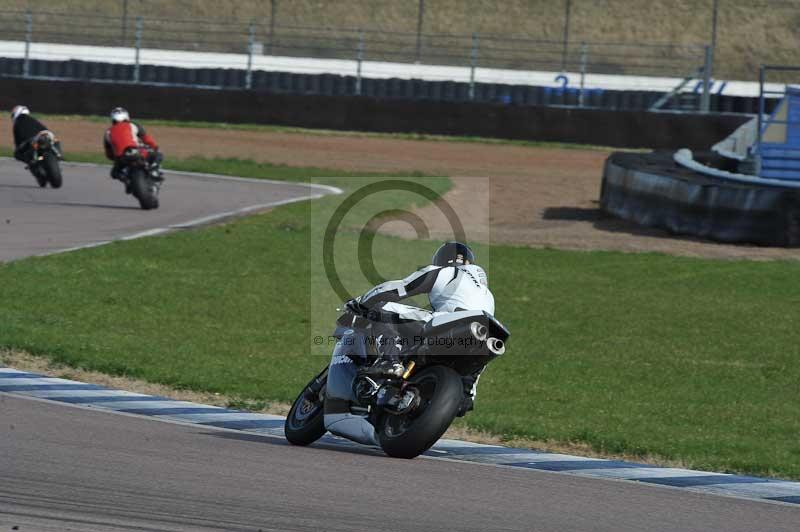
(470, 391)
(155, 173)
(389, 345)
(116, 174)
(467, 405)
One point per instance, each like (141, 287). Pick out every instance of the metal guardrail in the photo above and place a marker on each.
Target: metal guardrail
(703, 103)
(475, 51)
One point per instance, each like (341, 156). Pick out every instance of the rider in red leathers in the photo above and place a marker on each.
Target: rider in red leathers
(125, 138)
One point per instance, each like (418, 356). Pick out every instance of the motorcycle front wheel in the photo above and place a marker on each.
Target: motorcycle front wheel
(305, 423)
(39, 173)
(441, 392)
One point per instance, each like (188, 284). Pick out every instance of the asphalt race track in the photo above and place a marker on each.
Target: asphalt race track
(92, 208)
(69, 468)
(65, 467)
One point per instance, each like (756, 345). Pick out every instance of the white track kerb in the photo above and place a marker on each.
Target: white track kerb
(315, 192)
(81, 395)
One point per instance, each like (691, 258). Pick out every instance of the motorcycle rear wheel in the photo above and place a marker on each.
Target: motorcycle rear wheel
(409, 435)
(143, 191)
(52, 169)
(305, 423)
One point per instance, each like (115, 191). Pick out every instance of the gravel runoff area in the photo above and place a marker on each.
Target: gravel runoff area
(539, 196)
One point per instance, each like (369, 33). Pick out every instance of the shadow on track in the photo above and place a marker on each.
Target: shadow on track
(9, 185)
(90, 205)
(327, 442)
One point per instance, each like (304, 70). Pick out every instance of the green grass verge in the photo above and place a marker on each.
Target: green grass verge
(645, 354)
(355, 134)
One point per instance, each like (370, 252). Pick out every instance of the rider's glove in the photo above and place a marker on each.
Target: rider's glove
(356, 307)
(374, 314)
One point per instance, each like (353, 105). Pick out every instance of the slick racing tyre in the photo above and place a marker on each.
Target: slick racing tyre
(38, 171)
(52, 169)
(441, 393)
(305, 423)
(144, 191)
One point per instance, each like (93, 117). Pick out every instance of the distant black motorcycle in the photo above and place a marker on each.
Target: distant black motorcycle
(141, 173)
(46, 153)
(407, 415)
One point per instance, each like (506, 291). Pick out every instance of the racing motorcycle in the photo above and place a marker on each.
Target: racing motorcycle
(141, 173)
(44, 161)
(403, 415)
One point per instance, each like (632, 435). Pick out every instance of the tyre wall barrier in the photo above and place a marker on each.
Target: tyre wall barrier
(633, 129)
(335, 85)
(652, 190)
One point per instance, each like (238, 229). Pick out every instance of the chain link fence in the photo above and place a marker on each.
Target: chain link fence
(742, 33)
(255, 39)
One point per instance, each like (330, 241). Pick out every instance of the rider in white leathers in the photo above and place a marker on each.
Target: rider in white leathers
(453, 282)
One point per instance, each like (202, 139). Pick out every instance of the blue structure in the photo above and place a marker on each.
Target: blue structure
(777, 149)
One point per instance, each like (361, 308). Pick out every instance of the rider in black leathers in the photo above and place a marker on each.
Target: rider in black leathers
(26, 128)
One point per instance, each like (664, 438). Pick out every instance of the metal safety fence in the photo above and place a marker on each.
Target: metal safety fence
(255, 45)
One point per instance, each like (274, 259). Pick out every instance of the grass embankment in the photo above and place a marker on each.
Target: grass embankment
(749, 33)
(639, 354)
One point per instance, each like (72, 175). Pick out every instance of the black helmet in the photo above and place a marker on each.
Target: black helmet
(453, 254)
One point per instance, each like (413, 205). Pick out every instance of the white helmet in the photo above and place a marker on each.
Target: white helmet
(119, 114)
(19, 110)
